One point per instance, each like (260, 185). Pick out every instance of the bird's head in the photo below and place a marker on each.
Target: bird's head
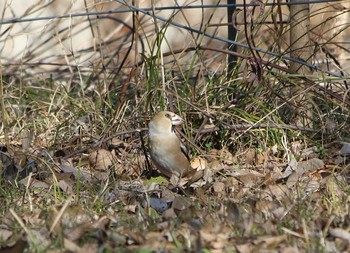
(164, 121)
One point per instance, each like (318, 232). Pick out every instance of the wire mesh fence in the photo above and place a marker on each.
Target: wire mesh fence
(52, 36)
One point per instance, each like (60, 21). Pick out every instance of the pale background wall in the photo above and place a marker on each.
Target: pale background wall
(78, 42)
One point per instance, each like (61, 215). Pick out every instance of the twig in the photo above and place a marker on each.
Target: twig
(103, 141)
(241, 127)
(149, 171)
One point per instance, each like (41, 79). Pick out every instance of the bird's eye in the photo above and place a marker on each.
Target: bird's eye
(168, 115)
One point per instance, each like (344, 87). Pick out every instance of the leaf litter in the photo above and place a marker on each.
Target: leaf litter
(98, 201)
(232, 210)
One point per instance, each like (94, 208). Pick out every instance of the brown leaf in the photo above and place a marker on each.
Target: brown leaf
(116, 142)
(296, 147)
(180, 203)
(230, 211)
(250, 178)
(340, 233)
(292, 166)
(216, 240)
(250, 156)
(215, 165)
(130, 208)
(71, 246)
(245, 248)
(309, 153)
(76, 232)
(101, 159)
(5, 234)
(34, 183)
(270, 242)
(279, 192)
(81, 173)
(135, 237)
(198, 163)
(345, 149)
(226, 156)
(261, 158)
(219, 188)
(155, 240)
(311, 165)
(292, 179)
(27, 138)
(72, 216)
(169, 214)
(66, 186)
(312, 186)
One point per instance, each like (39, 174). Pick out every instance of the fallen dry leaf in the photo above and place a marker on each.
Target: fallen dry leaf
(250, 156)
(101, 159)
(310, 165)
(5, 234)
(219, 188)
(198, 163)
(340, 233)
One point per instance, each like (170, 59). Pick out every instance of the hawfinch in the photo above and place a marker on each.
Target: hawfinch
(167, 152)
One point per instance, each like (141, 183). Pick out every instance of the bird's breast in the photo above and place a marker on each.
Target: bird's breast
(167, 155)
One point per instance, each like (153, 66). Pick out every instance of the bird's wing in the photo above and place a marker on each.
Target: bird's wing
(184, 151)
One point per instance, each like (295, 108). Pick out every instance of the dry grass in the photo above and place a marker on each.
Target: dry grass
(72, 159)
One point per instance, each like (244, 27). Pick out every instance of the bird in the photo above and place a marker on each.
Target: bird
(167, 151)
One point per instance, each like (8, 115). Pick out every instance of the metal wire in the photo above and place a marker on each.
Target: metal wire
(231, 41)
(149, 12)
(209, 6)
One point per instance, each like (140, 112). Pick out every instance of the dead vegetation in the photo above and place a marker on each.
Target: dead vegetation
(73, 146)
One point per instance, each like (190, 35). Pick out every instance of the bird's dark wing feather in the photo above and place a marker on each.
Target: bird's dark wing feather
(184, 151)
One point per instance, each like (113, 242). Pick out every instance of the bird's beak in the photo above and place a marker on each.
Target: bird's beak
(176, 120)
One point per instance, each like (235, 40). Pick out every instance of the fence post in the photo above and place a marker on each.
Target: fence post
(232, 32)
(300, 47)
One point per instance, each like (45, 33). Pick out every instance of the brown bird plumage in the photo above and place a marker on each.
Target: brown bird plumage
(167, 151)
